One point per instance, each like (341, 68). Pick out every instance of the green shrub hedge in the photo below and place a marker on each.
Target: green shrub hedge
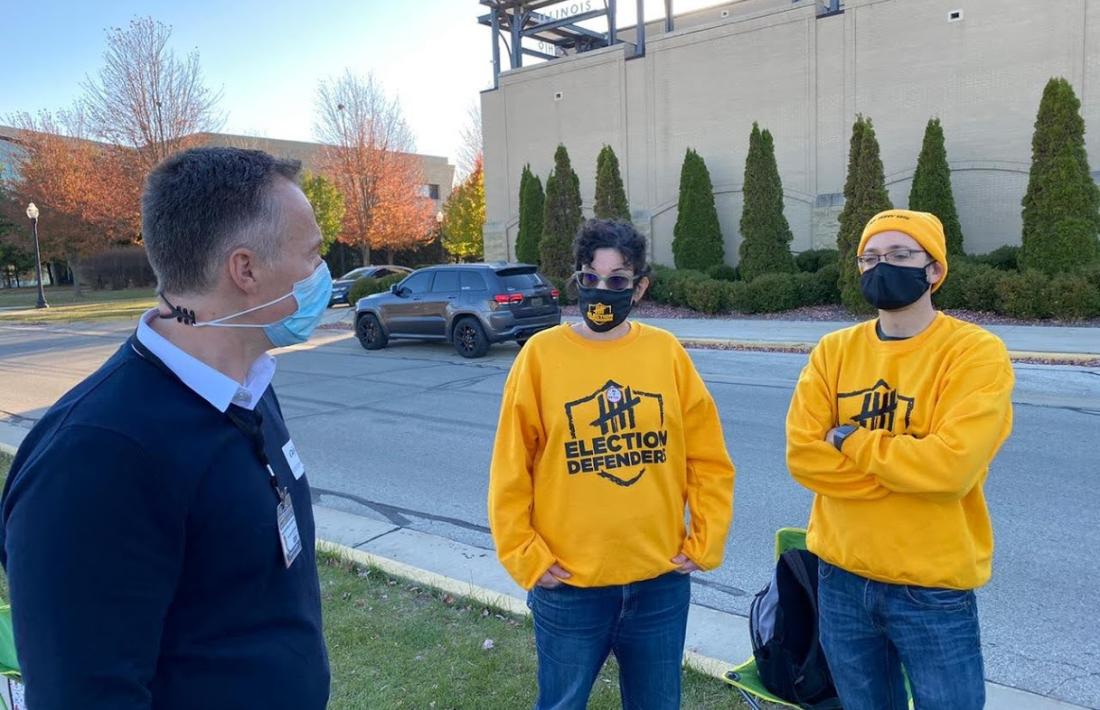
(1005, 258)
(1073, 296)
(813, 260)
(723, 272)
(1024, 294)
(771, 293)
(974, 283)
(367, 285)
(706, 295)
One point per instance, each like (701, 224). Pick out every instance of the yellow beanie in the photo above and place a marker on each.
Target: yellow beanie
(924, 227)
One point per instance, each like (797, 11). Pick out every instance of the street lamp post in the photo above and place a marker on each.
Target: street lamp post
(32, 213)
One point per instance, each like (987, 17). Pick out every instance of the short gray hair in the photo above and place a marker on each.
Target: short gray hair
(201, 204)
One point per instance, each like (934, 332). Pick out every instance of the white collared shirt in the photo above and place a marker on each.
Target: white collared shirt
(215, 387)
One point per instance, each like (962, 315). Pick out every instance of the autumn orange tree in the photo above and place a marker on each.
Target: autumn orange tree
(84, 167)
(368, 154)
(87, 192)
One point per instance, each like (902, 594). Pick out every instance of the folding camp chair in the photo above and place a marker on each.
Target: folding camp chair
(9, 665)
(744, 677)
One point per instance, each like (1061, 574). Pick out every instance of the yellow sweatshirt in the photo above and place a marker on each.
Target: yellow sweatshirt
(599, 447)
(903, 501)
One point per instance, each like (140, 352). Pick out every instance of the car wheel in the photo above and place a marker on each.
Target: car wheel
(469, 338)
(370, 333)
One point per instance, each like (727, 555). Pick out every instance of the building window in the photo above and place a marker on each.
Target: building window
(433, 192)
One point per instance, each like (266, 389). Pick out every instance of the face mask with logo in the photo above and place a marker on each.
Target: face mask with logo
(312, 295)
(604, 309)
(889, 287)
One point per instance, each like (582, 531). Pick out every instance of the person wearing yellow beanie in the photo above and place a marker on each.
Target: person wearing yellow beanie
(893, 425)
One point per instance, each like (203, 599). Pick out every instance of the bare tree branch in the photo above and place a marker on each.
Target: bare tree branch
(369, 155)
(147, 98)
(470, 150)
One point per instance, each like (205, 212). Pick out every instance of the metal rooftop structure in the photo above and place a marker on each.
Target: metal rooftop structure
(513, 21)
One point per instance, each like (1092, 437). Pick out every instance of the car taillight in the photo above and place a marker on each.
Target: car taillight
(504, 298)
(555, 293)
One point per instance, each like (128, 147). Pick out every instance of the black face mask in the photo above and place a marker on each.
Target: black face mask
(888, 287)
(603, 309)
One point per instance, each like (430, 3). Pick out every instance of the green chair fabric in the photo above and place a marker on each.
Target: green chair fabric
(744, 677)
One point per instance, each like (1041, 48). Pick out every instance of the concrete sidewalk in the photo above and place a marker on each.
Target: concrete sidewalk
(1021, 338)
(1031, 339)
(716, 640)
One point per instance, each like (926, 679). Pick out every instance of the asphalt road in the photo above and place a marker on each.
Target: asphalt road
(404, 434)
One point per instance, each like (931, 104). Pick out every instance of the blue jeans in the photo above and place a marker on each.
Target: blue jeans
(644, 623)
(869, 630)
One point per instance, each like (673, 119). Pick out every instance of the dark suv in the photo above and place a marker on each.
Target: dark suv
(469, 305)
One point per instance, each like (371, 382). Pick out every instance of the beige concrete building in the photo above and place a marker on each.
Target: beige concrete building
(438, 173)
(979, 65)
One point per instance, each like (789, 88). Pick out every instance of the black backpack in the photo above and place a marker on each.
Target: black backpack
(783, 628)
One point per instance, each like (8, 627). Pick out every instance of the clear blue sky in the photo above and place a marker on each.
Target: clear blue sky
(268, 55)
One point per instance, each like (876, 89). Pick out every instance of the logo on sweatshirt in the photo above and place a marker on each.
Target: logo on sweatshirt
(880, 407)
(615, 433)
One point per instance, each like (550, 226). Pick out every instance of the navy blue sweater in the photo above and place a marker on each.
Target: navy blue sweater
(140, 539)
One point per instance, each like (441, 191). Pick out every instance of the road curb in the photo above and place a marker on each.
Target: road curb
(1023, 356)
(482, 595)
(803, 347)
(713, 667)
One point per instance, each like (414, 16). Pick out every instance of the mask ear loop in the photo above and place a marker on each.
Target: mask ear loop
(181, 314)
(188, 317)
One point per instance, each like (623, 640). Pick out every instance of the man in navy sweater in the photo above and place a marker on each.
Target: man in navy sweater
(156, 524)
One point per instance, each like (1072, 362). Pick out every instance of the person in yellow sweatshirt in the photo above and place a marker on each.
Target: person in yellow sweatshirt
(893, 425)
(606, 434)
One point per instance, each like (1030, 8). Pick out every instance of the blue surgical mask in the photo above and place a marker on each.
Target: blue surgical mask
(312, 295)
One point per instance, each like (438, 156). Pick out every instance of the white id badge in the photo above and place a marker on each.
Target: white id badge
(292, 459)
(289, 538)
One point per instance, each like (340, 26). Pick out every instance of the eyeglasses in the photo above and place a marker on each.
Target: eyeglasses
(896, 257)
(615, 282)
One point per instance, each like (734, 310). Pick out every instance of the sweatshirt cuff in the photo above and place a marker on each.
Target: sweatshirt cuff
(696, 555)
(540, 560)
(855, 445)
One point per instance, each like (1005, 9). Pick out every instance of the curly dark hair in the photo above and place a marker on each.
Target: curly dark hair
(607, 233)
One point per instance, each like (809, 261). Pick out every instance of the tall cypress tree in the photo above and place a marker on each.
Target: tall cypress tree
(610, 196)
(530, 217)
(1061, 209)
(765, 233)
(697, 236)
(864, 196)
(561, 217)
(931, 191)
